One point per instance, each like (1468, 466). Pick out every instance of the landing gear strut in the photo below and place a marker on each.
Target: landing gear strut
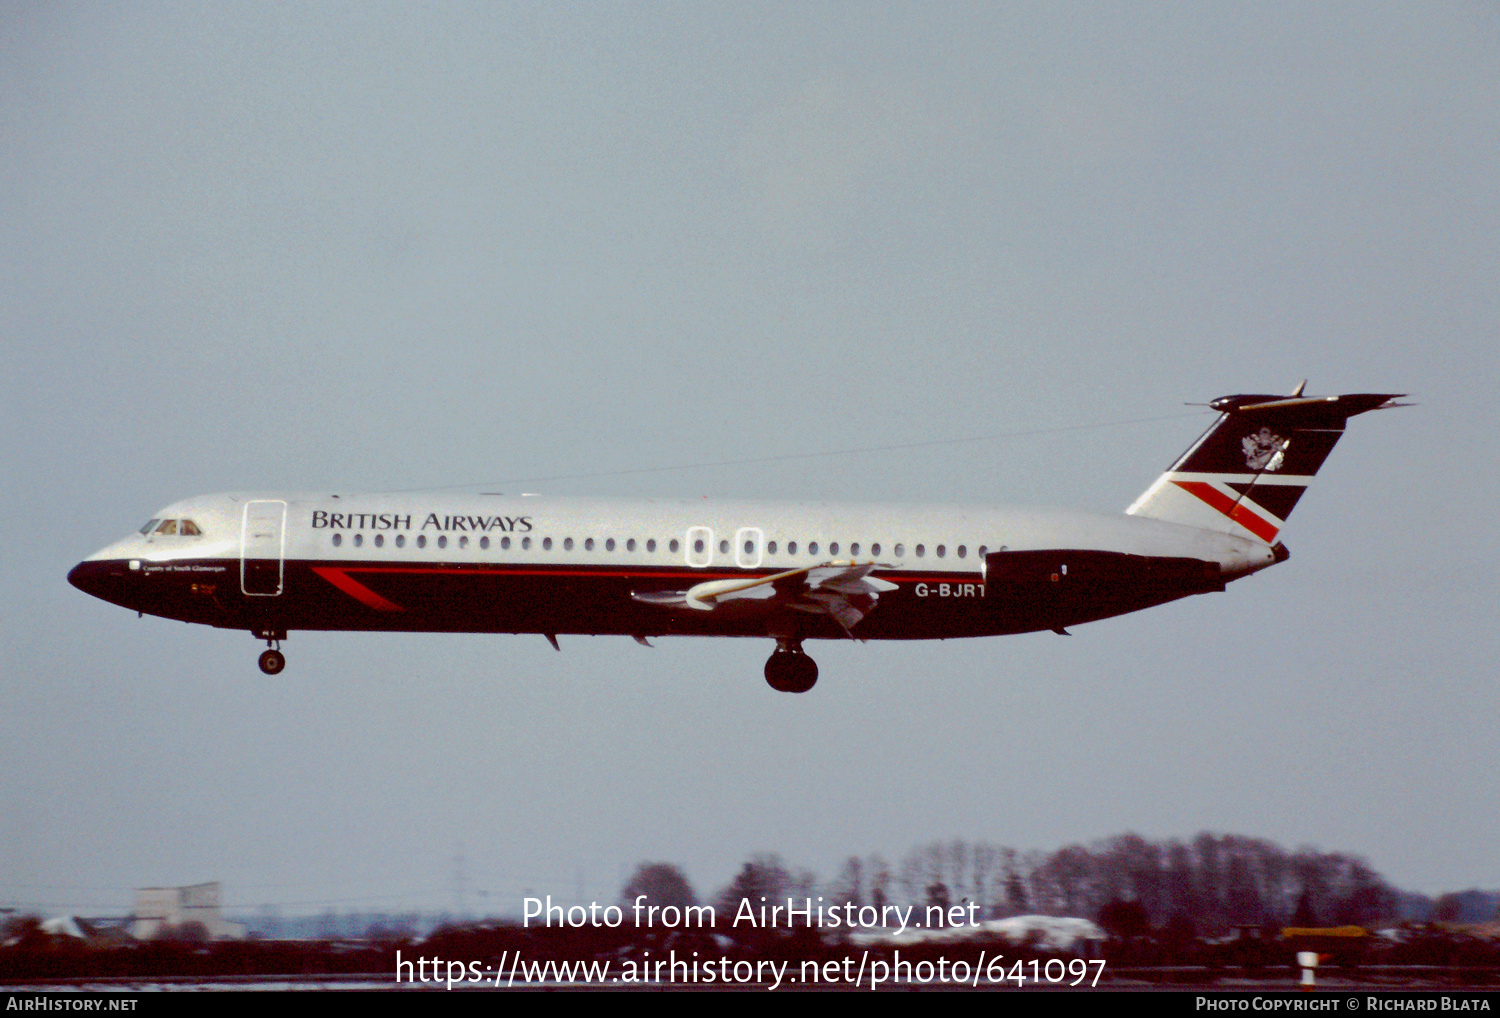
(789, 670)
(272, 661)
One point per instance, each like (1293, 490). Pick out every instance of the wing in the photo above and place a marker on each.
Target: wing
(844, 590)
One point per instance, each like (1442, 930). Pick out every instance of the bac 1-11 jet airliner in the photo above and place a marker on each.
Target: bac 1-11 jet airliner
(270, 563)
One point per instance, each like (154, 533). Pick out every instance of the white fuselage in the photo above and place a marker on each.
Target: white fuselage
(495, 563)
(792, 571)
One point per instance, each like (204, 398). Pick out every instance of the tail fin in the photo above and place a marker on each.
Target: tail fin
(1252, 465)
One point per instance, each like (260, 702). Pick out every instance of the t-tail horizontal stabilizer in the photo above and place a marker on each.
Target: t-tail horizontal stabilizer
(1252, 465)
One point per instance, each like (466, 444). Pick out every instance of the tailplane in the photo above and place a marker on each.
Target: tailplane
(1252, 465)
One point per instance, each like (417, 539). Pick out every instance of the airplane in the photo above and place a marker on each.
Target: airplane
(270, 563)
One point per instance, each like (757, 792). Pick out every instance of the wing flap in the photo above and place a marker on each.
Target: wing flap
(845, 591)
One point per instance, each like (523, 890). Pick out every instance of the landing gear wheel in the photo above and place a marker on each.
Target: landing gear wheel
(778, 671)
(791, 671)
(804, 673)
(272, 662)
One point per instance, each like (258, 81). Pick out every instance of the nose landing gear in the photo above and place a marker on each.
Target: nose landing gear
(272, 661)
(789, 670)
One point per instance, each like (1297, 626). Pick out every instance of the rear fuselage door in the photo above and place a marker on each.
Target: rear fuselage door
(262, 547)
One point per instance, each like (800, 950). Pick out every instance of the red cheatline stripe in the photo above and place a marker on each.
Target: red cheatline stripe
(697, 576)
(1237, 511)
(357, 590)
(340, 578)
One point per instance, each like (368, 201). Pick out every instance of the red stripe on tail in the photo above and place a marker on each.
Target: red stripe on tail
(1237, 511)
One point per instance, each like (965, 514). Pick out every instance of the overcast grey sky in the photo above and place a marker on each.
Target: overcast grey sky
(385, 246)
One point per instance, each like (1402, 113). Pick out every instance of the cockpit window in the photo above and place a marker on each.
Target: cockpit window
(150, 525)
(185, 528)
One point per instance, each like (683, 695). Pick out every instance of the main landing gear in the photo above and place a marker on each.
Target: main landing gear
(272, 661)
(789, 670)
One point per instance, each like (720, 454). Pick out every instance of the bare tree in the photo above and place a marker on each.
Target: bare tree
(849, 886)
(880, 880)
(662, 883)
(761, 880)
(985, 861)
(1068, 876)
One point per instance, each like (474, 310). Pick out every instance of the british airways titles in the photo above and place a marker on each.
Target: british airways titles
(322, 519)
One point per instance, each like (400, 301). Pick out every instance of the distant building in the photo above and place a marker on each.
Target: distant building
(181, 912)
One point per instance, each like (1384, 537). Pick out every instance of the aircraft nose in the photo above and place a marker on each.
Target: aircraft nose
(104, 580)
(79, 576)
